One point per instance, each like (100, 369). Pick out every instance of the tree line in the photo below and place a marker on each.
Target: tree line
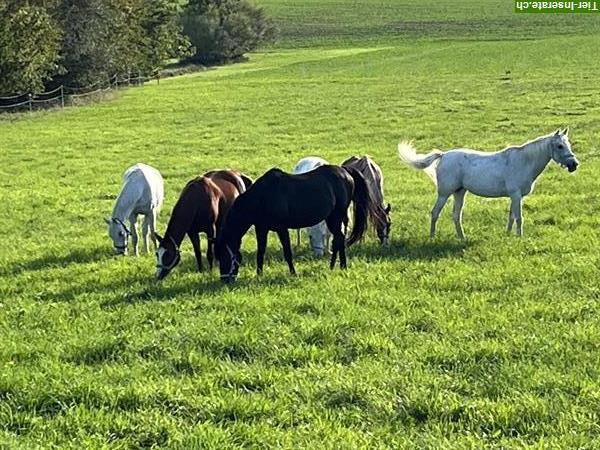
(44, 43)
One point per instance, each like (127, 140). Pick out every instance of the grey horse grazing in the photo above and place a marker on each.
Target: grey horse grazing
(507, 173)
(142, 194)
(374, 178)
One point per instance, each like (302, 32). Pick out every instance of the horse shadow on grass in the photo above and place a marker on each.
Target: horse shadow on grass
(136, 286)
(49, 261)
(155, 291)
(201, 283)
(205, 285)
(405, 250)
(139, 288)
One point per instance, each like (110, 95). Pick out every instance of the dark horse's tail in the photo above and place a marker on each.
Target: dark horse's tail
(364, 205)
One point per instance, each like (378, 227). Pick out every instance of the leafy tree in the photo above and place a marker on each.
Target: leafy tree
(105, 37)
(163, 31)
(80, 42)
(222, 30)
(29, 47)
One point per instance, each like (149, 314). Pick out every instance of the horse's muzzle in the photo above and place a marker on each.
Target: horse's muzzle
(227, 279)
(572, 165)
(161, 273)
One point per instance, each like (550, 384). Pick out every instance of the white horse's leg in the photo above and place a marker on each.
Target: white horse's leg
(145, 229)
(516, 209)
(152, 223)
(511, 220)
(459, 200)
(134, 233)
(435, 212)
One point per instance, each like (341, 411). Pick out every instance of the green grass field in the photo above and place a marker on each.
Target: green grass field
(491, 343)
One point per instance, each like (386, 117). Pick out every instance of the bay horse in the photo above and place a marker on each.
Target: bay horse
(374, 177)
(318, 234)
(142, 193)
(511, 172)
(201, 208)
(278, 201)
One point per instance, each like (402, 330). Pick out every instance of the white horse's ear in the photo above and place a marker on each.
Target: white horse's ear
(108, 221)
(566, 131)
(557, 133)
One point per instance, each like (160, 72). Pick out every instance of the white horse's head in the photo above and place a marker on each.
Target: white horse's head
(318, 239)
(561, 150)
(119, 233)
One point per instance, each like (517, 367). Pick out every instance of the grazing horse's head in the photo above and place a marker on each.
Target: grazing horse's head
(167, 256)
(230, 260)
(119, 233)
(384, 226)
(561, 150)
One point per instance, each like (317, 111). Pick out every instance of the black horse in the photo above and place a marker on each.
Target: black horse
(278, 201)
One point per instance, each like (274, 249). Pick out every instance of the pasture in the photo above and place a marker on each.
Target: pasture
(492, 342)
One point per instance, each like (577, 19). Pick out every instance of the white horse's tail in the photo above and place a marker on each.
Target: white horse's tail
(427, 163)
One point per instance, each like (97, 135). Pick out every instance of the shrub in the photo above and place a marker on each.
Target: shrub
(224, 30)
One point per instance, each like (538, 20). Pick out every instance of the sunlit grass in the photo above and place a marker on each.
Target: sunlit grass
(427, 344)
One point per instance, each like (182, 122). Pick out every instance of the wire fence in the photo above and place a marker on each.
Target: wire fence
(65, 95)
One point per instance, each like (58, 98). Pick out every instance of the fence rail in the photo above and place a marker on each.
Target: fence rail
(65, 94)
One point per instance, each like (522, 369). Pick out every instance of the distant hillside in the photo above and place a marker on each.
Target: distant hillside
(310, 22)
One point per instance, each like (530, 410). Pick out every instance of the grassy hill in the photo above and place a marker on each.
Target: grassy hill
(333, 22)
(491, 343)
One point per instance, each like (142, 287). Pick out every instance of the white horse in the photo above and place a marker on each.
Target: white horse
(142, 193)
(508, 173)
(319, 233)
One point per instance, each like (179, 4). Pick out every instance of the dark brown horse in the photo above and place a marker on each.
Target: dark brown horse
(278, 201)
(201, 208)
(374, 178)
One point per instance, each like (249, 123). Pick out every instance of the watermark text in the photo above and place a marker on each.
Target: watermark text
(592, 6)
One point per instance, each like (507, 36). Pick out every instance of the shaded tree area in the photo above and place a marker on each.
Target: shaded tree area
(106, 37)
(30, 44)
(224, 30)
(81, 42)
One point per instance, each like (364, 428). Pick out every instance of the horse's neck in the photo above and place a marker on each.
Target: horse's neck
(176, 232)
(124, 205)
(239, 229)
(182, 218)
(537, 154)
(238, 222)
